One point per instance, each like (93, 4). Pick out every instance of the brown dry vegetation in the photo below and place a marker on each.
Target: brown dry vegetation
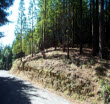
(77, 78)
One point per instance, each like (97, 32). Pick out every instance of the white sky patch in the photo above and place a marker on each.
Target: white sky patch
(9, 28)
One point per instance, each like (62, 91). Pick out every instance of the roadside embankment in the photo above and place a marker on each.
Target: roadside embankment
(60, 74)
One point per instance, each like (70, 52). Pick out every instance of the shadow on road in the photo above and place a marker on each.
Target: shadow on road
(12, 91)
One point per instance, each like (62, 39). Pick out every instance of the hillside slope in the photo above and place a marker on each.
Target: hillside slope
(81, 77)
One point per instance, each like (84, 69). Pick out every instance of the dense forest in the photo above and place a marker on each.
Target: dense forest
(63, 45)
(63, 23)
(6, 57)
(5, 52)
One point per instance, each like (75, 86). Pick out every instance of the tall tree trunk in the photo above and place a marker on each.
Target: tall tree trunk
(21, 36)
(95, 29)
(42, 46)
(32, 30)
(102, 48)
(44, 32)
(106, 23)
(73, 29)
(8, 62)
(64, 24)
(81, 27)
(109, 24)
(56, 30)
(90, 23)
(76, 28)
(54, 44)
(30, 47)
(68, 27)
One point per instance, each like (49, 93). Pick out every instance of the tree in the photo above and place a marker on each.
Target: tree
(95, 29)
(6, 55)
(81, 27)
(67, 23)
(21, 21)
(32, 17)
(64, 24)
(73, 26)
(44, 27)
(4, 4)
(68, 27)
(102, 47)
(44, 36)
(1, 34)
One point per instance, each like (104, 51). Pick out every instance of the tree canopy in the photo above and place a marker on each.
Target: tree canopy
(66, 24)
(4, 4)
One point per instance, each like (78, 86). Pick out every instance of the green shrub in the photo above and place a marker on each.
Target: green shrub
(106, 91)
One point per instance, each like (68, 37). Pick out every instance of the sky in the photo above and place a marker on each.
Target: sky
(8, 29)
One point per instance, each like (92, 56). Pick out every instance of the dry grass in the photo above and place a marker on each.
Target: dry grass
(83, 70)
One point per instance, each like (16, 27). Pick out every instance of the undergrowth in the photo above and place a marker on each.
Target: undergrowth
(105, 92)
